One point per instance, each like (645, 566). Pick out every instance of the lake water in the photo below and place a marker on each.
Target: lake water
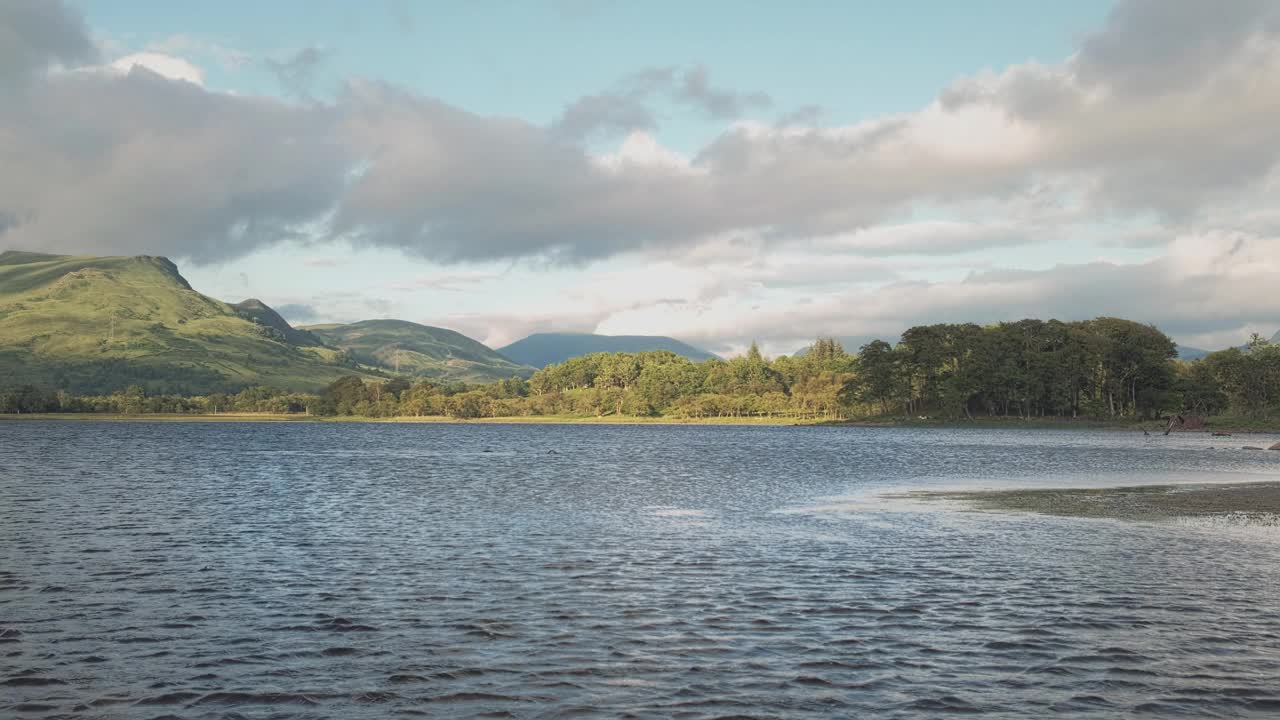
(373, 571)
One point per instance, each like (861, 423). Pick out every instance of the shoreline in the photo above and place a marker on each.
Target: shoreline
(977, 423)
(410, 420)
(1237, 503)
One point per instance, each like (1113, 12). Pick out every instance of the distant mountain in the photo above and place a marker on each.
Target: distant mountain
(257, 311)
(419, 350)
(543, 349)
(1190, 353)
(99, 324)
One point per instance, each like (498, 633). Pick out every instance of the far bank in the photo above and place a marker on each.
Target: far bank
(1225, 426)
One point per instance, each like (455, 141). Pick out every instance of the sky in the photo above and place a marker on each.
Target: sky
(721, 172)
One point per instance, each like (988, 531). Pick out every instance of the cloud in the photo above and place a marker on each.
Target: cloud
(1207, 291)
(501, 329)
(451, 185)
(625, 108)
(173, 68)
(35, 34)
(448, 281)
(808, 115)
(322, 262)
(161, 167)
(604, 114)
(694, 88)
(1209, 286)
(337, 307)
(193, 46)
(167, 167)
(296, 73)
(1147, 237)
(1150, 47)
(935, 237)
(298, 312)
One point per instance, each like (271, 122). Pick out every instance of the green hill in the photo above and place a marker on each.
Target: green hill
(259, 312)
(543, 349)
(419, 350)
(98, 324)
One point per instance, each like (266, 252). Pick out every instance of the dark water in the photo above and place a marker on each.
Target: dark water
(372, 571)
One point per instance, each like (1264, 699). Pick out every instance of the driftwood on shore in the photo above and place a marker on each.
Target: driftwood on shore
(1184, 422)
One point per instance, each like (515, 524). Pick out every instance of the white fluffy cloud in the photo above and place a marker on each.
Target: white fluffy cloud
(1162, 124)
(408, 171)
(1211, 289)
(167, 66)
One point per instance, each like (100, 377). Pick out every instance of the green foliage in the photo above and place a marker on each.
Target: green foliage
(133, 400)
(1246, 382)
(664, 383)
(1104, 367)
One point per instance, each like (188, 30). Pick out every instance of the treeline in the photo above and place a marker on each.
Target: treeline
(656, 383)
(135, 401)
(1104, 367)
(1243, 381)
(815, 385)
(1100, 368)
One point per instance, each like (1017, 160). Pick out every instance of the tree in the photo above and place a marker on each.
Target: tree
(878, 380)
(345, 394)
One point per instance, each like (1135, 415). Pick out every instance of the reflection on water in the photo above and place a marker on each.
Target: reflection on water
(364, 571)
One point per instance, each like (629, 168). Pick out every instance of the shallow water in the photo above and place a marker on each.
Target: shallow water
(370, 571)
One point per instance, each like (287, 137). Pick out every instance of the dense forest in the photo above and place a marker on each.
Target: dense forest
(1103, 368)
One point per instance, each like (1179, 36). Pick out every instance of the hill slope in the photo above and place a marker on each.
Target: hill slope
(419, 350)
(257, 311)
(543, 349)
(98, 324)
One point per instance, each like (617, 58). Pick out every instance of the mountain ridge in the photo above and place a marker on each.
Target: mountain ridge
(543, 349)
(257, 311)
(91, 324)
(97, 324)
(419, 350)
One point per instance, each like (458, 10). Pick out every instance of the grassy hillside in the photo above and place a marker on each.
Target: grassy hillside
(419, 350)
(97, 324)
(543, 349)
(260, 313)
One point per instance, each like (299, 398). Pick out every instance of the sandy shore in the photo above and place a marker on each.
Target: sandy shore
(1254, 503)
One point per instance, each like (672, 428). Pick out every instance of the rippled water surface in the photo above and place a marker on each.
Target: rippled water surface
(371, 571)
